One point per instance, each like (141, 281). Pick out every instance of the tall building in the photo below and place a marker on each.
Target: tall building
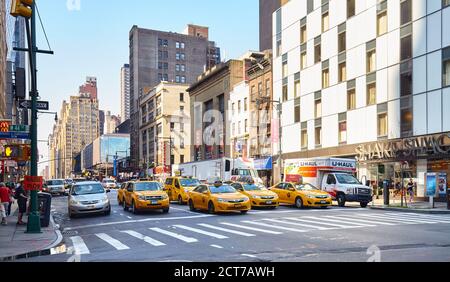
(90, 87)
(266, 9)
(164, 127)
(3, 56)
(125, 92)
(111, 123)
(157, 56)
(101, 122)
(78, 126)
(239, 104)
(366, 80)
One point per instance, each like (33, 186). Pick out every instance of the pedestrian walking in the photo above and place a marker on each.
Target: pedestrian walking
(410, 190)
(4, 202)
(22, 200)
(11, 198)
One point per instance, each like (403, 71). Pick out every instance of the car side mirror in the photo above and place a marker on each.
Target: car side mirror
(108, 191)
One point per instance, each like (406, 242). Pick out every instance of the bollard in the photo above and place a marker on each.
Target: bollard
(386, 193)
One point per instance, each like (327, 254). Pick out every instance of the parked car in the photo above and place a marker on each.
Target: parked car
(88, 198)
(144, 196)
(302, 195)
(259, 195)
(178, 188)
(55, 186)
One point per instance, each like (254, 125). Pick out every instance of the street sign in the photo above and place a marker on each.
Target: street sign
(19, 128)
(33, 183)
(41, 105)
(14, 135)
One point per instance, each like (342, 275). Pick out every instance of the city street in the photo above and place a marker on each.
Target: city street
(282, 235)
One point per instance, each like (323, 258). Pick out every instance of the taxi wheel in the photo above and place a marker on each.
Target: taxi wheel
(133, 208)
(244, 212)
(299, 203)
(191, 205)
(124, 204)
(211, 208)
(166, 210)
(180, 200)
(364, 205)
(324, 208)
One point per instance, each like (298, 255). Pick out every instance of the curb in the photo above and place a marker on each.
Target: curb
(412, 210)
(43, 252)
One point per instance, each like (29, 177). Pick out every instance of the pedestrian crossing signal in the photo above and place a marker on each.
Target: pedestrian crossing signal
(21, 8)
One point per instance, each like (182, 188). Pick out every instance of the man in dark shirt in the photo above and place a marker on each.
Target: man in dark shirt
(22, 200)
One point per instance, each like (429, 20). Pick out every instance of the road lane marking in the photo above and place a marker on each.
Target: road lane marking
(227, 230)
(250, 256)
(316, 219)
(274, 227)
(400, 219)
(129, 217)
(113, 242)
(121, 214)
(146, 239)
(79, 246)
(174, 235)
(136, 221)
(199, 231)
(297, 224)
(216, 246)
(423, 216)
(346, 222)
(186, 211)
(252, 228)
(348, 218)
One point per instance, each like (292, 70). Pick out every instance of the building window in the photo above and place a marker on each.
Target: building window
(310, 6)
(232, 109)
(177, 56)
(182, 56)
(405, 12)
(177, 79)
(239, 107)
(177, 67)
(285, 69)
(246, 126)
(177, 45)
(317, 53)
(172, 126)
(297, 110)
(318, 135)
(325, 78)
(406, 79)
(351, 99)
(350, 8)
(406, 48)
(285, 93)
(318, 108)
(303, 34)
(182, 45)
(233, 129)
(181, 159)
(182, 146)
(259, 89)
(406, 116)
(297, 88)
(278, 48)
(382, 125)
(304, 138)
(245, 104)
(342, 72)
(445, 3)
(303, 60)
(268, 87)
(446, 65)
(183, 68)
(183, 79)
(342, 42)
(325, 21)
(181, 97)
(343, 132)
(239, 128)
(371, 60)
(382, 23)
(371, 94)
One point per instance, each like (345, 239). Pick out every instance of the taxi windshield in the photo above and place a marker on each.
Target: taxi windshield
(305, 187)
(252, 187)
(149, 186)
(224, 189)
(189, 182)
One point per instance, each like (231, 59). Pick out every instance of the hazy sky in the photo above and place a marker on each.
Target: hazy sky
(93, 41)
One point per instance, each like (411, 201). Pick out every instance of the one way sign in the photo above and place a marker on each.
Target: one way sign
(41, 105)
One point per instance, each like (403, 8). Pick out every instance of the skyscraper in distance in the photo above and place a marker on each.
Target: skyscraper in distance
(125, 92)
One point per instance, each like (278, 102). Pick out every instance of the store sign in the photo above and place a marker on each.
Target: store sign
(4, 125)
(33, 183)
(405, 148)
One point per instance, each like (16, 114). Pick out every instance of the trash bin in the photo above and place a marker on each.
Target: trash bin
(45, 204)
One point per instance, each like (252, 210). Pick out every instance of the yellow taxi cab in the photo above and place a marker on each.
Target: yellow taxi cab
(302, 195)
(217, 198)
(121, 193)
(259, 195)
(145, 196)
(178, 188)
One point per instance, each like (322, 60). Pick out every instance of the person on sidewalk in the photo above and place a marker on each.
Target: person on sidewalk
(11, 197)
(22, 200)
(410, 189)
(4, 202)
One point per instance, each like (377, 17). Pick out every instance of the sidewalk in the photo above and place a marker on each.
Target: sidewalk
(15, 242)
(415, 207)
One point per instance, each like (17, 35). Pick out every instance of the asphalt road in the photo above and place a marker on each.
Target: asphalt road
(284, 235)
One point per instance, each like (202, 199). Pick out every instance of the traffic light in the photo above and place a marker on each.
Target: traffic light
(21, 8)
(17, 152)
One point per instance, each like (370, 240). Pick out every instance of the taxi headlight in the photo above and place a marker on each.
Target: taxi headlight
(245, 199)
(257, 197)
(164, 197)
(142, 198)
(221, 200)
(186, 190)
(311, 196)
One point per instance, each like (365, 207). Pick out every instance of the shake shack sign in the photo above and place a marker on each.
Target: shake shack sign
(407, 148)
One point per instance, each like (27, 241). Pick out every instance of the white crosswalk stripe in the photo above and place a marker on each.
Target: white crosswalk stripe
(252, 228)
(349, 218)
(274, 226)
(113, 242)
(227, 230)
(341, 221)
(174, 235)
(296, 224)
(305, 219)
(199, 231)
(401, 219)
(79, 246)
(146, 239)
(442, 219)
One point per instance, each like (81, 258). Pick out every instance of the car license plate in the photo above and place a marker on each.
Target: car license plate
(269, 202)
(154, 202)
(91, 207)
(237, 206)
(323, 202)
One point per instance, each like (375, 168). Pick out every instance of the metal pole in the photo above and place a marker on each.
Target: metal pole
(34, 222)
(280, 161)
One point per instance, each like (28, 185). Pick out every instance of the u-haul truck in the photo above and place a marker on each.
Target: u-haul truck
(333, 175)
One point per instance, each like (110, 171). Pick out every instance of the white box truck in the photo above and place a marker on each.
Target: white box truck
(333, 175)
(224, 169)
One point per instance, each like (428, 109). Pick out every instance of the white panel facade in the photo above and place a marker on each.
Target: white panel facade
(394, 119)
(419, 33)
(330, 128)
(419, 75)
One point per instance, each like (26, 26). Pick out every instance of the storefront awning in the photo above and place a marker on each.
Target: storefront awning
(264, 164)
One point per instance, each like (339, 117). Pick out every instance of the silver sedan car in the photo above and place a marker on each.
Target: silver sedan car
(88, 198)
